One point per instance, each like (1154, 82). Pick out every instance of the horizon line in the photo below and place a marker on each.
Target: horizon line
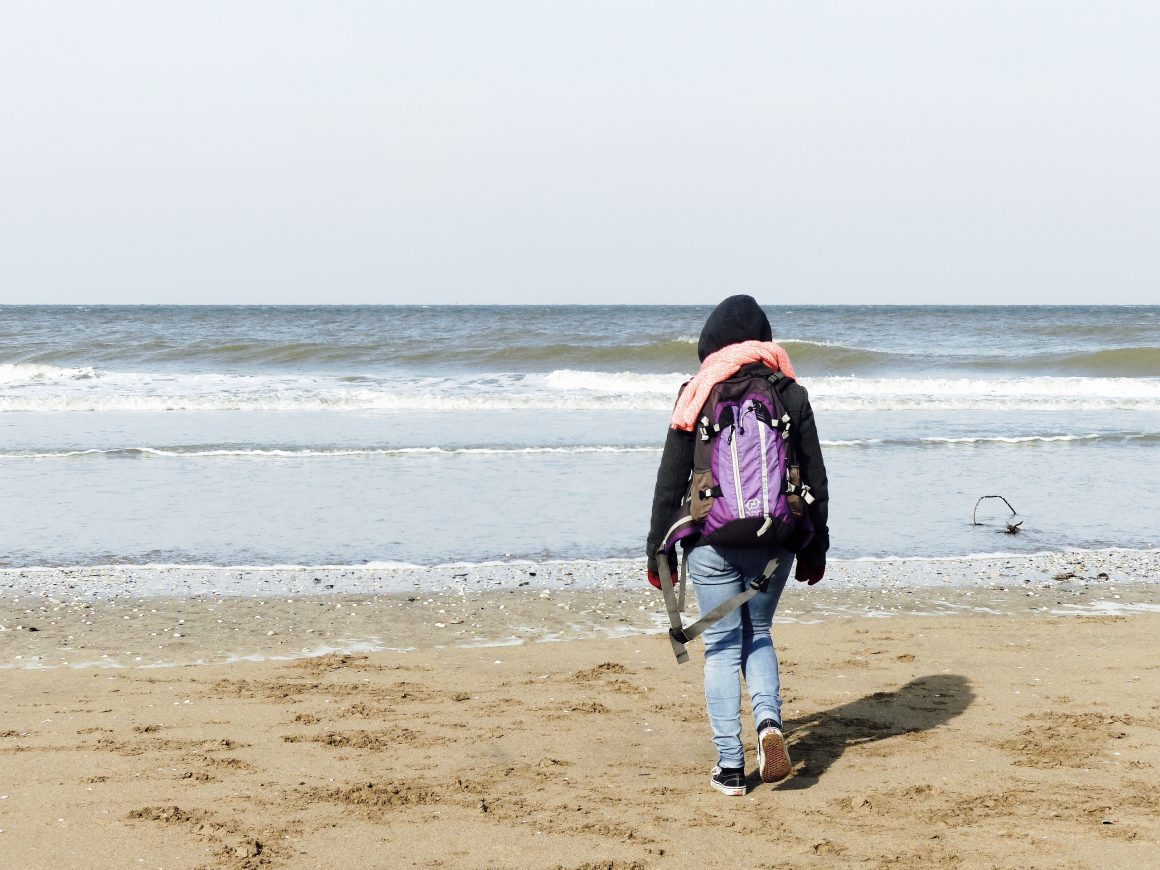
(570, 304)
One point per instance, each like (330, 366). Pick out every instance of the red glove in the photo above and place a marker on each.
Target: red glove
(654, 576)
(811, 570)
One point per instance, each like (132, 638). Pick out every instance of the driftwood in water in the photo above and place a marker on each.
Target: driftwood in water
(1013, 528)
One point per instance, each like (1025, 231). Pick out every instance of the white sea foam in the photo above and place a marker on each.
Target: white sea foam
(617, 383)
(1105, 608)
(260, 453)
(46, 388)
(16, 374)
(1018, 439)
(219, 392)
(1004, 440)
(999, 556)
(968, 394)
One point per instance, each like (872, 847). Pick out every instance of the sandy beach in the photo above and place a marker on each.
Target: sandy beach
(357, 358)
(991, 724)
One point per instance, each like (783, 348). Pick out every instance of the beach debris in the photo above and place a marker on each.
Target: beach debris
(1013, 527)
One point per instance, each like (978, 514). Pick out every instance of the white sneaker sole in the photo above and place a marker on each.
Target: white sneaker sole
(725, 789)
(773, 757)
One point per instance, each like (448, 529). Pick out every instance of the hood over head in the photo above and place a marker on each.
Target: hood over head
(738, 318)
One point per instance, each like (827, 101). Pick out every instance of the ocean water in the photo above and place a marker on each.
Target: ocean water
(428, 435)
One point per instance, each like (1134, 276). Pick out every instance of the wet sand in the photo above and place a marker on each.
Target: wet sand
(134, 616)
(1028, 736)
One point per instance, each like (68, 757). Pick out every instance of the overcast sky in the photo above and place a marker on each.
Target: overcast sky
(869, 152)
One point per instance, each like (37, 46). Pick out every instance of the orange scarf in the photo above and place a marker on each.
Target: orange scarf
(721, 366)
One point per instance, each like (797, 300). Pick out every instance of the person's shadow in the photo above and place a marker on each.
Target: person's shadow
(817, 741)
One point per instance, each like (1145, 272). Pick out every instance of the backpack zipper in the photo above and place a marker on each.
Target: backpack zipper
(737, 467)
(764, 469)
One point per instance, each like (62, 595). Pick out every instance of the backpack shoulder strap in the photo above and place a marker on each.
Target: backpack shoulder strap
(795, 486)
(680, 635)
(780, 380)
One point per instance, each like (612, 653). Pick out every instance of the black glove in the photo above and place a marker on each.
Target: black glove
(811, 566)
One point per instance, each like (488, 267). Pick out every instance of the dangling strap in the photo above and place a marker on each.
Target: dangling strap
(679, 636)
(672, 607)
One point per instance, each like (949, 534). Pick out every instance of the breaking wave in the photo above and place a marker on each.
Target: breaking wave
(32, 388)
(23, 374)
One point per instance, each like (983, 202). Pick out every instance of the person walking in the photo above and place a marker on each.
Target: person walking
(736, 342)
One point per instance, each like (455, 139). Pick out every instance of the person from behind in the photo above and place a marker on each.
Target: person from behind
(734, 532)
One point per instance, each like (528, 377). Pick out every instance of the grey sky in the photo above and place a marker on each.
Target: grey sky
(203, 152)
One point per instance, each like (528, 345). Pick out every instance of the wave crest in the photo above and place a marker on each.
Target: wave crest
(21, 374)
(39, 388)
(361, 354)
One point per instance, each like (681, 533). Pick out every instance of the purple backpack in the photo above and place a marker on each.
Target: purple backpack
(746, 488)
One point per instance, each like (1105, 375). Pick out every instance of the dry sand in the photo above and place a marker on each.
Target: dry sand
(1026, 739)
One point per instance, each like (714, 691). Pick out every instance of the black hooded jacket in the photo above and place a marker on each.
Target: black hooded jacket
(737, 319)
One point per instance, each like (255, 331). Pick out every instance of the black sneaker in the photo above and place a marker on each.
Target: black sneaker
(772, 756)
(728, 780)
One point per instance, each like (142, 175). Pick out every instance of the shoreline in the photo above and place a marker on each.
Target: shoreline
(163, 618)
(169, 580)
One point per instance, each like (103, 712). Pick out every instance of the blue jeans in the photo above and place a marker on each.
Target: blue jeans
(739, 644)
